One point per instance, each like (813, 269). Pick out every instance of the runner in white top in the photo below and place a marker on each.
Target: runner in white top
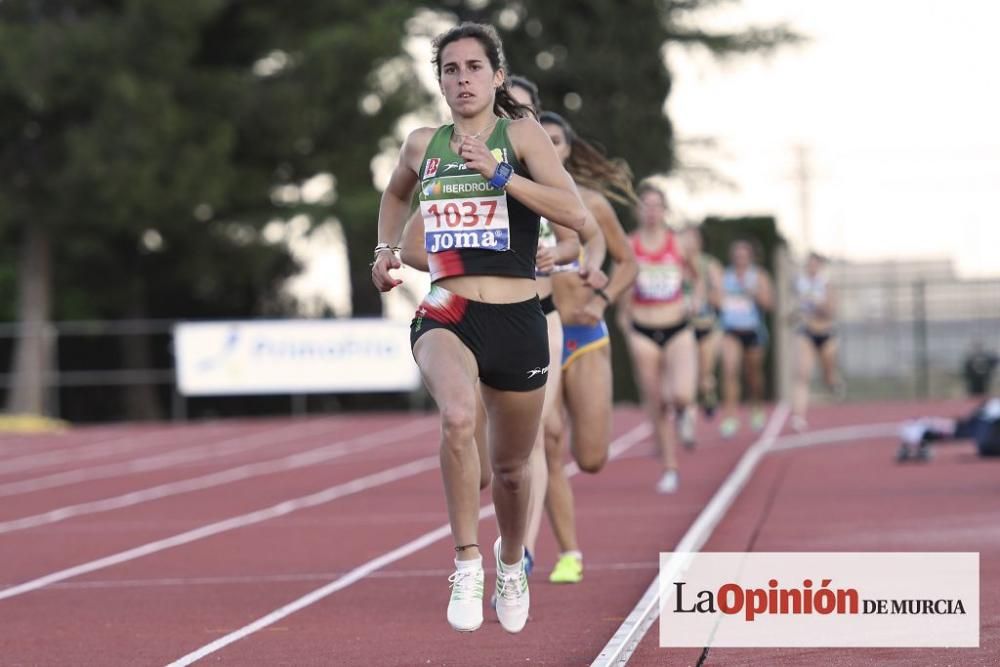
(817, 336)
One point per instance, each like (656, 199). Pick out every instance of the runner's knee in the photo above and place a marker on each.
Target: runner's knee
(511, 475)
(591, 463)
(552, 431)
(553, 455)
(681, 401)
(458, 424)
(656, 407)
(590, 455)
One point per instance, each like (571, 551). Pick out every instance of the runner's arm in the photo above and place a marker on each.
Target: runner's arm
(394, 206)
(550, 191)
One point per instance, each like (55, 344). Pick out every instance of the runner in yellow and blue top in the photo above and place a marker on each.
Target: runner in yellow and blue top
(746, 293)
(586, 393)
(482, 321)
(554, 260)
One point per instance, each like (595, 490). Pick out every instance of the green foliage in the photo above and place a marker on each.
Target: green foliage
(120, 117)
(761, 231)
(147, 138)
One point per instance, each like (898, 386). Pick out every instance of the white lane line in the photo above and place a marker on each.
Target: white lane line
(239, 473)
(27, 447)
(837, 435)
(258, 579)
(286, 507)
(619, 445)
(200, 452)
(626, 639)
(99, 448)
(17, 445)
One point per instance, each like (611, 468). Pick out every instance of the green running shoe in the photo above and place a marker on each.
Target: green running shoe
(568, 570)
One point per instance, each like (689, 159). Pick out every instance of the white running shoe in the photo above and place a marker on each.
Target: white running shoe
(513, 600)
(465, 609)
(799, 423)
(669, 482)
(839, 391)
(686, 428)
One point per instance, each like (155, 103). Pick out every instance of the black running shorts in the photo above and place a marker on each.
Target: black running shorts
(510, 341)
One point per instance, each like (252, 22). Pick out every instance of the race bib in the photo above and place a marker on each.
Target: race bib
(659, 282)
(737, 304)
(462, 212)
(547, 239)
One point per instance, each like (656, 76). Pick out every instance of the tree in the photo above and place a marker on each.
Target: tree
(144, 143)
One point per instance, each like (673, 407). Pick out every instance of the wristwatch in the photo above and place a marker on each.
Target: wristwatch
(501, 176)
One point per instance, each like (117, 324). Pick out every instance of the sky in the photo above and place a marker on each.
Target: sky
(891, 106)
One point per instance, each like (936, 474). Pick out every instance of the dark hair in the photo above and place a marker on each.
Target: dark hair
(504, 103)
(528, 85)
(647, 186)
(751, 246)
(591, 168)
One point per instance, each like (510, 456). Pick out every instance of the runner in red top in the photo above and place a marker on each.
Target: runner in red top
(655, 321)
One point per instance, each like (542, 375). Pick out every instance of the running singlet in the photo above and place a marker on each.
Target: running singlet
(547, 239)
(739, 310)
(811, 292)
(471, 228)
(661, 275)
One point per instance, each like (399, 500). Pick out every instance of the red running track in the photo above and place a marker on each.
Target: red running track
(192, 585)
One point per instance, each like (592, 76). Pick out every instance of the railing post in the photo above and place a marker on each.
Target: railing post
(51, 379)
(299, 407)
(783, 348)
(178, 406)
(920, 359)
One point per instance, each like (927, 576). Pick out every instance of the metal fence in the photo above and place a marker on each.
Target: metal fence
(93, 368)
(910, 338)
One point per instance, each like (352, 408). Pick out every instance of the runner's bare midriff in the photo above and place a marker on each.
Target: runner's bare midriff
(543, 285)
(490, 289)
(818, 325)
(659, 314)
(571, 294)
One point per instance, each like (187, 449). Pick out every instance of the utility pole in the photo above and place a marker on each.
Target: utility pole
(803, 179)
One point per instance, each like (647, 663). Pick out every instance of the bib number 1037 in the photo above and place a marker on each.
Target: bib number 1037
(480, 223)
(462, 214)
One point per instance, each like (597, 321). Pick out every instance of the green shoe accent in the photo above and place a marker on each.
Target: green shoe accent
(757, 419)
(465, 609)
(729, 427)
(568, 570)
(512, 594)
